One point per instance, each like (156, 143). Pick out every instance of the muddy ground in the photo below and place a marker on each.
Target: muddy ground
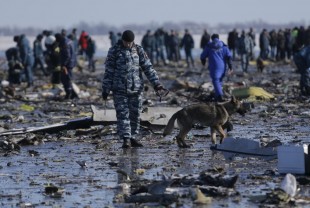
(42, 170)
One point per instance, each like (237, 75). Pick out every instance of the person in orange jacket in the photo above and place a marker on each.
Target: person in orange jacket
(83, 42)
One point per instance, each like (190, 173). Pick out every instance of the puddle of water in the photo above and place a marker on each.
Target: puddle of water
(56, 164)
(97, 185)
(24, 180)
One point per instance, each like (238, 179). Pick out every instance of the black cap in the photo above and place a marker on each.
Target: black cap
(214, 36)
(128, 36)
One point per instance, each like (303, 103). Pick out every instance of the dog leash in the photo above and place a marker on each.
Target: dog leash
(162, 93)
(105, 107)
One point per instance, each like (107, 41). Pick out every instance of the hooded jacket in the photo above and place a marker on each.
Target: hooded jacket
(219, 56)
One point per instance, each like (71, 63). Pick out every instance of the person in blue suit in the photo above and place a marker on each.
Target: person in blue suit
(26, 57)
(219, 58)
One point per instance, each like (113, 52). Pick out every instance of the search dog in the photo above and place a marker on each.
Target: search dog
(214, 115)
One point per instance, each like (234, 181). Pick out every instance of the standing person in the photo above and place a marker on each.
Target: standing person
(205, 39)
(252, 35)
(219, 57)
(73, 37)
(63, 32)
(245, 48)
(188, 44)
(302, 61)
(288, 43)
(118, 36)
(232, 41)
(39, 54)
(26, 57)
(68, 61)
(83, 42)
(15, 67)
(54, 60)
(167, 45)
(174, 44)
(280, 46)
(160, 46)
(264, 44)
(46, 34)
(123, 76)
(148, 44)
(90, 52)
(112, 38)
(273, 44)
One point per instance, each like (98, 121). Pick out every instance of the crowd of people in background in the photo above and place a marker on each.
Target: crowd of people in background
(273, 45)
(163, 46)
(56, 58)
(53, 52)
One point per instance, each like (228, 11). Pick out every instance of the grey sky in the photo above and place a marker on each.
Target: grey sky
(66, 13)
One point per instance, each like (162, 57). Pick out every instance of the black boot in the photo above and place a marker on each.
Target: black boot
(30, 84)
(125, 143)
(73, 95)
(135, 143)
(68, 95)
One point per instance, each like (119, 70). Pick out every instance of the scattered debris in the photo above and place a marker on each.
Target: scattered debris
(54, 191)
(232, 147)
(289, 185)
(201, 198)
(64, 131)
(123, 173)
(82, 164)
(292, 159)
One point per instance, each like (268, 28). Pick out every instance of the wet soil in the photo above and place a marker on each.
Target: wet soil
(43, 160)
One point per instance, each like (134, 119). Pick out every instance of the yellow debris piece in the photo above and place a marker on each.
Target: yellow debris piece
(266, 63)
(85, 114)
(140, 171)
(252, 93)
(201, 198)
(25, 107)
(47, 86)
